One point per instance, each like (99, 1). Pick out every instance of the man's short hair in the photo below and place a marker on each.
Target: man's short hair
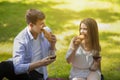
(32, 15)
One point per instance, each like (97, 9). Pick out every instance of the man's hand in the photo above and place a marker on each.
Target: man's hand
(47, 60)
(44, 62)
(53, 41)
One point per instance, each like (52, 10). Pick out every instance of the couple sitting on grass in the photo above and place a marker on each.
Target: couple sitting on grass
(34, 49)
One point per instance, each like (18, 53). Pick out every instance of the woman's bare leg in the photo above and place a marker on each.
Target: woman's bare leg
(78, 79)
(93, 76)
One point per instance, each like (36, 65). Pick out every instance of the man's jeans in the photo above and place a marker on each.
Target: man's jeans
(7, 70)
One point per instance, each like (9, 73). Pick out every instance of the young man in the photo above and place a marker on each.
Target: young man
(30, 51)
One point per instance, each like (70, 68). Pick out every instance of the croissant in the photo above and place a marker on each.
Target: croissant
(47, 34)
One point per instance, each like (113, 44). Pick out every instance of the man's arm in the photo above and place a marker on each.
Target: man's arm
(44, 62)
(18, 57)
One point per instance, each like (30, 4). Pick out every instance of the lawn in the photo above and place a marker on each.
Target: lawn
(64, 16)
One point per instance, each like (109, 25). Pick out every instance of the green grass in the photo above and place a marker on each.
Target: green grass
(64, 17)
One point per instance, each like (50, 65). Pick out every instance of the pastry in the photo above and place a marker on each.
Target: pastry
(47, 34)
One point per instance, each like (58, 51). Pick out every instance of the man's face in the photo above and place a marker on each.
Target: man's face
(38, 26)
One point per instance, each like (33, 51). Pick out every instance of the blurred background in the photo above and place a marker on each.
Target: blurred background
(63, 17)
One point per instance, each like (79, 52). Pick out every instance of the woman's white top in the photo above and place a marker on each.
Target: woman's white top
(81, 63)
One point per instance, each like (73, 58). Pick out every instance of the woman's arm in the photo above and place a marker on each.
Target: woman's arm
(71, 56)
(96, 63)
(72, 50)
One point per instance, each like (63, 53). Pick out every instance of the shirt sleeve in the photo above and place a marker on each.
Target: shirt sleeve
(18, 57)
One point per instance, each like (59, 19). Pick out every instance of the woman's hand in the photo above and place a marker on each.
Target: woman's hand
(77, 41)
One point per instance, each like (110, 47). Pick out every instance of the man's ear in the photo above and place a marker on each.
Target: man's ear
(31, 25)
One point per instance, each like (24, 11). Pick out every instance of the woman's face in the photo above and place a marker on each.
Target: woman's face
(83, 30)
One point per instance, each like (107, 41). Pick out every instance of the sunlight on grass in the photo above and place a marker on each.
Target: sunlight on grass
(61, 42)
(110, 54)
(10, 0)
(5, 25)
(72, 5)
(60, 68)
(115, 38)
(112, 27)
(5, 56)
(70, 29)
(64, 17)
(104, 44)
(6, 47)
(106, 66)
(75, 5)
(78, 5)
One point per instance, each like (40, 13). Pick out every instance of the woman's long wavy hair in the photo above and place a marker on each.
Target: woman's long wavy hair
(93, 34)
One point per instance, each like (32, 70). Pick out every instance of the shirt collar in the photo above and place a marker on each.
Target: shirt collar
(31, 36)
(29, 33)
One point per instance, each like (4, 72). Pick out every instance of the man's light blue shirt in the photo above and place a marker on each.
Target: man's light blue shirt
(22, 50)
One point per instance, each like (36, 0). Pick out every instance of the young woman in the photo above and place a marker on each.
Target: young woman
(83, 53)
